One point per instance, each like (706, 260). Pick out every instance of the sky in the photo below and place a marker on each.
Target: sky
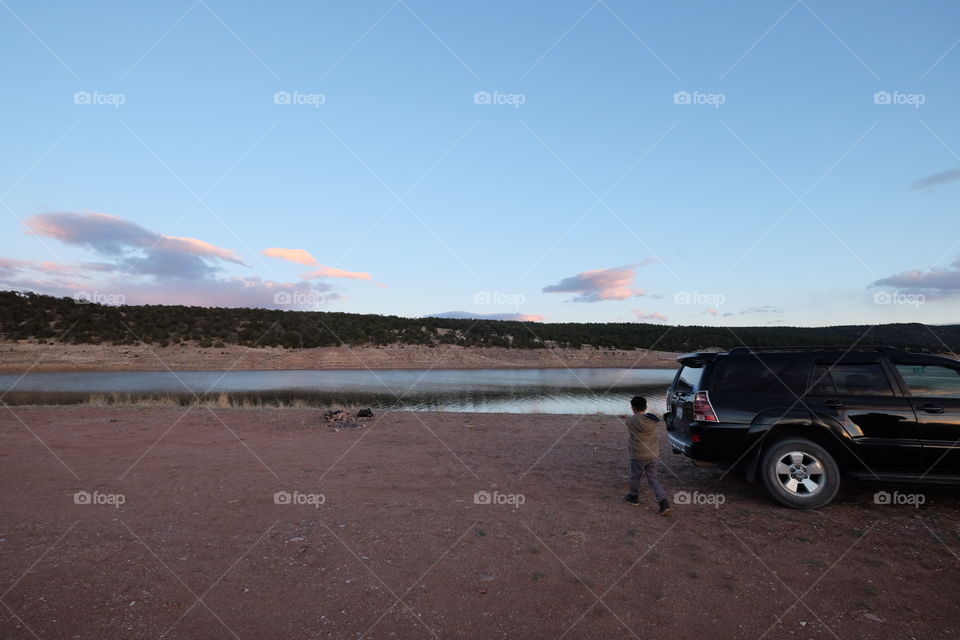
(750, 163)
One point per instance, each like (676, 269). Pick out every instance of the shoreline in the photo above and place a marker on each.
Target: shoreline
(63, 358)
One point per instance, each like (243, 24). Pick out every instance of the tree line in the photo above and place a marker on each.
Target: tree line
(36, 317)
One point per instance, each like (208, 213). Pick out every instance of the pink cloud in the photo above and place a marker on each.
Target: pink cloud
(333, 272)
(111, 235)
(601, 284)
(198, 247)
(643, 315)
(712, 311)
(300, 256)
(144, 251)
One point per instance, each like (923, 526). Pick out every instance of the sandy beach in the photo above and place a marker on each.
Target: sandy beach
(266, 524)
(17, 357)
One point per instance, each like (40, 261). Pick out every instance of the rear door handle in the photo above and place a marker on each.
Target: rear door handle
(931, 407)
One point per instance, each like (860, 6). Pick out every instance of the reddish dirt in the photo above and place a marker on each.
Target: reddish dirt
(399, 549)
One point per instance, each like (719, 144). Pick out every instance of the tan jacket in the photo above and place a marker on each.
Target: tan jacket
(644, 441)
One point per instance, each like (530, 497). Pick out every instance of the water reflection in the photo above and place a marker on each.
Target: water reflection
(466, 390)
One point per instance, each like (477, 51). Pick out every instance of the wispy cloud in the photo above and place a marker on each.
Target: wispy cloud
(466, 315)
(601, 284)
(767, 308)
(937, 179)
(945, 280)
(333, 272)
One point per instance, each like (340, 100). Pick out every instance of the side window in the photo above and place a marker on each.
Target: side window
(931, 380)
(766, 375)
(689, 379)
(850, 380)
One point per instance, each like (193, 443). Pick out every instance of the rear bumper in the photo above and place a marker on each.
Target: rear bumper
(717, 442)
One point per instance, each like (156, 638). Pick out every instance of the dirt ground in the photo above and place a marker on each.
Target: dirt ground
(252, 523)
(17, 357)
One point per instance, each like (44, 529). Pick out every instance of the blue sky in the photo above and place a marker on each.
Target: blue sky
(682, 163)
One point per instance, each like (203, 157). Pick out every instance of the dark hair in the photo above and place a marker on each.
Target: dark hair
(639, 403)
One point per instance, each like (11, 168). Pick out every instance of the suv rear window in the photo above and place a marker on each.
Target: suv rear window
(689, 378)
(758, 374)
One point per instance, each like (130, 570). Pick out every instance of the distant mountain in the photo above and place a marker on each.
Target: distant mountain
(31, 316)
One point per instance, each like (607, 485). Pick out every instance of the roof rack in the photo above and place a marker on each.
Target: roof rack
(835, 348)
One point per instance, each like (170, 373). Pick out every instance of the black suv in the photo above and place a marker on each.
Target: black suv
(800, 416)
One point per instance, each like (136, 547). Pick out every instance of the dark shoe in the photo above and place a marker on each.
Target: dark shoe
(632, 498)
(664, 507)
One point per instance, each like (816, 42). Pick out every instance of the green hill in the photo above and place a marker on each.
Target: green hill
(31, 316)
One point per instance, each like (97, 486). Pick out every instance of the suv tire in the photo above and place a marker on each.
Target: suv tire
(799, 473)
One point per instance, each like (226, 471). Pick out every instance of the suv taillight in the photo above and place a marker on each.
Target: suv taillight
(702, 409)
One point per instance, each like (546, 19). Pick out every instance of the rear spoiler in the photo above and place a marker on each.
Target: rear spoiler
(697, 360)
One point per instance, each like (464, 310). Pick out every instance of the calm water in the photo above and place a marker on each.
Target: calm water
(480, 390)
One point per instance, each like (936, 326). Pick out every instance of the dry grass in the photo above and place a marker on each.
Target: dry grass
(218, 401)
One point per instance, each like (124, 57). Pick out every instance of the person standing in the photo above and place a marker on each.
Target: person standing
(644, 454)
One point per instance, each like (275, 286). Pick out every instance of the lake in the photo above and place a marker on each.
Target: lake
(574, 391)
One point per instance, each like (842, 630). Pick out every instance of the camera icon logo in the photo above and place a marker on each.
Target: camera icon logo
(682, 297)
(81, 97)
(482, 297)
(482, 497)
(282, 297)
(282, 497)
(482, 97)
(882, 497)
(681, 97)
(281, 97)
(882, 97)
(882, 297)
(681, 497)
(82, 497)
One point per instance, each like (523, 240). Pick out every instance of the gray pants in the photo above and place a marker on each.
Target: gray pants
(640, 468)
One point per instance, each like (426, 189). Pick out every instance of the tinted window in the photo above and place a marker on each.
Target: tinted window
(689, 378)
(931, 380)
(850, 380)
(767, 375)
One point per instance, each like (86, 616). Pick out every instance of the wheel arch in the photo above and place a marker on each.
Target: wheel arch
(771, 427)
